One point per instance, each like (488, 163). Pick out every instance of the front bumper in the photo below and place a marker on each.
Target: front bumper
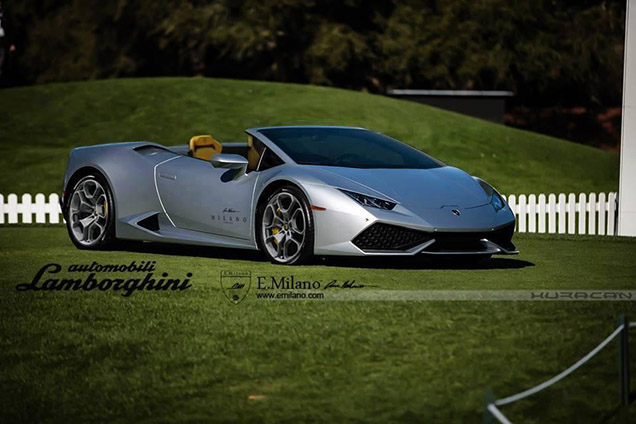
(346, 228)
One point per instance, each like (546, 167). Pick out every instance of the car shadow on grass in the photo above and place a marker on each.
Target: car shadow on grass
(190, 250)
(422, 262)
(395, 262)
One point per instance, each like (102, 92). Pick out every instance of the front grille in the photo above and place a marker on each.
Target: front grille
(386, 237)
(389, 237)
(471, 241)
(458, 242)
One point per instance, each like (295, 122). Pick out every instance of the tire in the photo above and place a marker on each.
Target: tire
(280, 235)
(90, 213)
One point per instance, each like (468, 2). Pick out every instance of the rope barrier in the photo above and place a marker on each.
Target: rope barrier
(562, 375)
(496, 413)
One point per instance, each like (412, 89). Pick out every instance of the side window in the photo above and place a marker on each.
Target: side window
(269, 160)
(258, 145)
(254, 154)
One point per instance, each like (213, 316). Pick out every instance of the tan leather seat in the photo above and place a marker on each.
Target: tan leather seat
(204, 147)
(253, 155)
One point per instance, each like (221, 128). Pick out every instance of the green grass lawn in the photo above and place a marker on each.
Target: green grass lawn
(41, 124)
(192, 356)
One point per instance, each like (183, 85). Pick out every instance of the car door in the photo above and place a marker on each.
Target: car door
(196, 196)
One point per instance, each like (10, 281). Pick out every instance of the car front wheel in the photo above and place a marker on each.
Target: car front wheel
(286, 232)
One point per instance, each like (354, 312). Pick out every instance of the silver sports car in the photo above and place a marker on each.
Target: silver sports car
(290, 192)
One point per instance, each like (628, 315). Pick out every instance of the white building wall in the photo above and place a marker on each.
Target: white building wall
(627, 185)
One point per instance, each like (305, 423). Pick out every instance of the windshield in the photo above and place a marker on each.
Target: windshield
(347, 147)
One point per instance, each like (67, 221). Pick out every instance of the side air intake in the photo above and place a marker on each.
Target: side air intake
(151, 223)
(389, 237)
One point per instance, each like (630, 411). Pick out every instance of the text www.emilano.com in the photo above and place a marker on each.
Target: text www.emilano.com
(289, 295)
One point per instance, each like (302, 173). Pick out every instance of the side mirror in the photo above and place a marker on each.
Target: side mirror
(230, 161)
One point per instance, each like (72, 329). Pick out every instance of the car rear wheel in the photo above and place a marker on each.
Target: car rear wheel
(285, 227)
(90, 216)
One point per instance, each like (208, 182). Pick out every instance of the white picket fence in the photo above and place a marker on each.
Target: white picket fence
(45, 211)
(554, 214)
(565, 214)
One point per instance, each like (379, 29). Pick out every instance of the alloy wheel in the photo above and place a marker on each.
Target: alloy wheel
(284, 227)
(88, 212)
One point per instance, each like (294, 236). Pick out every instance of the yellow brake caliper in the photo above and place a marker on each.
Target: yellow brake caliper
(276, 230)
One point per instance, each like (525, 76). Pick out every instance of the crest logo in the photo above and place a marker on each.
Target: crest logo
(235, 285)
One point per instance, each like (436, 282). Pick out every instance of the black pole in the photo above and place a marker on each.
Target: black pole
(623, 358)
(490, 398)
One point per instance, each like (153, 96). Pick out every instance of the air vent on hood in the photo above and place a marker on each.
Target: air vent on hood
(149, 150)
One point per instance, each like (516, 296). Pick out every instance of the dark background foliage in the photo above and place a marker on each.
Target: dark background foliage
(563, 59)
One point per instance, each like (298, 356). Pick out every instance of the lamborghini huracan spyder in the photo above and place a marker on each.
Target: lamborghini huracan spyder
(290, 192)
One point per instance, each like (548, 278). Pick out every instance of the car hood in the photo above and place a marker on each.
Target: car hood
(415, 189)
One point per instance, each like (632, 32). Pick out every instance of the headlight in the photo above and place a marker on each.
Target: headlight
(497, 202)
(372, 202)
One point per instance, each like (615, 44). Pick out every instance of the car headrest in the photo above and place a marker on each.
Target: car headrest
(204, 147)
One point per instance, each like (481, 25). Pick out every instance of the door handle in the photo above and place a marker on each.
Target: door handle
(167, 176)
